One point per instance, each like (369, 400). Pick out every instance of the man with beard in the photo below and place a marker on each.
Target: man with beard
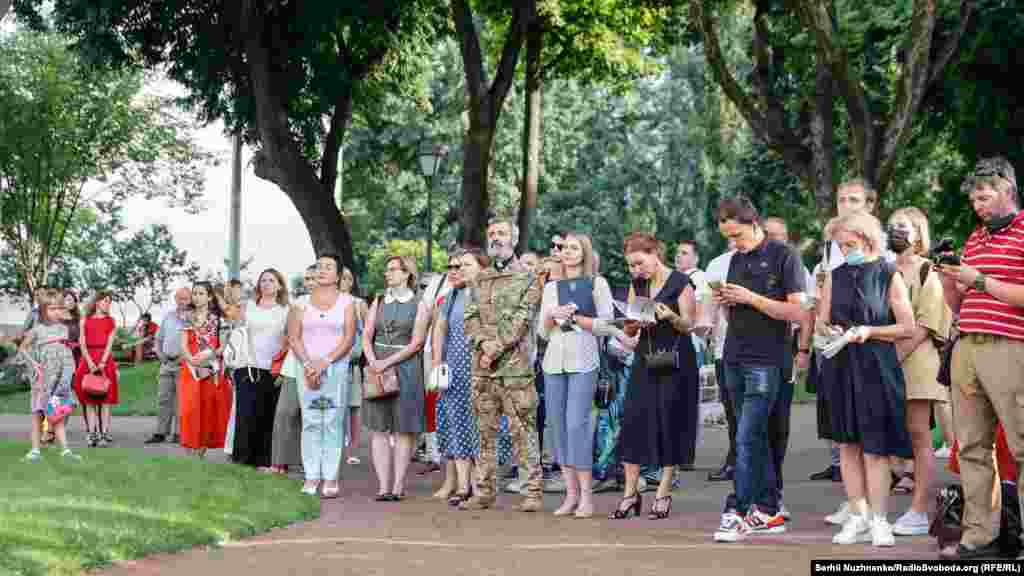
(499, 314)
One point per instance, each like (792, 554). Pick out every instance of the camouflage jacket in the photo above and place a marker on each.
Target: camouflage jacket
(500, 308)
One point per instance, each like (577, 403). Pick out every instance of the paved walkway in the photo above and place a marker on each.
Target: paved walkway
(422, 536)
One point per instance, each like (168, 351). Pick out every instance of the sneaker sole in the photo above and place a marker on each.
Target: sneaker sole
(833, 520)
(910, 531)
(861, 538)
(729, 537)
(775, 530)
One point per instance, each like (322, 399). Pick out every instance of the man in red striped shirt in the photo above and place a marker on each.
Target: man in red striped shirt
(987, 291)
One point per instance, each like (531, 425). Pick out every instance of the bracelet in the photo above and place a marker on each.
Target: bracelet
(804, 351)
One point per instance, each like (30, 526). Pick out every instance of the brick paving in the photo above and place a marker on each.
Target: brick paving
(356, 535)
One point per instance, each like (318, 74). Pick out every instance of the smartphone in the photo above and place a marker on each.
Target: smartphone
(716, 284)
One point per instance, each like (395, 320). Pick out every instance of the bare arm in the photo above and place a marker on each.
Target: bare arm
(347, 338)
(899, 301)
(419, 337)
(369, 332)
(109, 347)
(790, 310)
(823, 321)
(439, 335)
(82, 346)
(295, 335)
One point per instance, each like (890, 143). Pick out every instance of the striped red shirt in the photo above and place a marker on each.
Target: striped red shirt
(999, 256)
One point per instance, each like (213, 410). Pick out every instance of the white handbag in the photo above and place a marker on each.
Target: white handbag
(438, 379)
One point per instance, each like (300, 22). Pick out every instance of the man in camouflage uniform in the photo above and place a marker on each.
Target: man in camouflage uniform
(499, 312)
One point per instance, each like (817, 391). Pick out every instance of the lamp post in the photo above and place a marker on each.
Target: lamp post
(431, 157)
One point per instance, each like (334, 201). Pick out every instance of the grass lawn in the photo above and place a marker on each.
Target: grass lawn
(137, 389)
(58, 518)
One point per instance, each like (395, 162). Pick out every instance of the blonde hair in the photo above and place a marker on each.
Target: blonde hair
(46, 300)
(282, 291)
(862, 224)
(588, 254)
(408, 264)
(919, 221)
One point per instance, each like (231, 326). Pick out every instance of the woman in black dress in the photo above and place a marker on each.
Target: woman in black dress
(660, 400)
(865, 383)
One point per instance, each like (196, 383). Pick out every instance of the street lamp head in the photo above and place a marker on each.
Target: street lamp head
(430, 157)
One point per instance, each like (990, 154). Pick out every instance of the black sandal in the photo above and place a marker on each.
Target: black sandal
(458, 498)
(633, 509)
(385, 497)
(657, 513)
(897, 489)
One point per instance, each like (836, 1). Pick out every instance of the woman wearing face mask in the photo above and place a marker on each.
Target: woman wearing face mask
(662, 392)
(458, 439)
(396, 329)
(909, 240)
(867, 298)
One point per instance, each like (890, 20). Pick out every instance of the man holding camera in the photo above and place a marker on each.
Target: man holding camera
(764, 291)
(986, 290)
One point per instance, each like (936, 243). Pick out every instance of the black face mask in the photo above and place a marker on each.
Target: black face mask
(997, 224)
(899, 240)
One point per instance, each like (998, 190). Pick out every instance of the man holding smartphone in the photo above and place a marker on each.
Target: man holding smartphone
(763, 292)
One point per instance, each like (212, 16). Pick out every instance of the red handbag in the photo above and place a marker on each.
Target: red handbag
(96, 386)
(278, 362)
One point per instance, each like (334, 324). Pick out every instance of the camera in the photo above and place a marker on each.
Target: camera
(944, 253)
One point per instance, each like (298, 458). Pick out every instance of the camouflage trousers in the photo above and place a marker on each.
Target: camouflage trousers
(516, 399)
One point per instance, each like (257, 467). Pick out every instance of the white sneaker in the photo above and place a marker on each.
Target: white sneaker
(911, 524)
(881, 532)
(33, 456)
(731, 529)
(943, 453)
(839, 517)
(515, 486)
(69, 455)
(856, 529)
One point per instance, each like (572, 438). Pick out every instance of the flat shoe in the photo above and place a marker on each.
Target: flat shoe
(386, 497)
(329, 494)
(397, 497)
(352, 460)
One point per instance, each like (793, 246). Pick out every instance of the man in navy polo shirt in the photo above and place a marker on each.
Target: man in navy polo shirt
(763, 294)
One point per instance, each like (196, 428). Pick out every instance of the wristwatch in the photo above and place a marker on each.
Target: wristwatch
(979, 282)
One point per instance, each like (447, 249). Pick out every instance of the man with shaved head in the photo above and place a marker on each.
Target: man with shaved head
(168, 350)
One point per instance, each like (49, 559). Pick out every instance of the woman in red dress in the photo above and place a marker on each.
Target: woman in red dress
(96, 341)
(204, 393)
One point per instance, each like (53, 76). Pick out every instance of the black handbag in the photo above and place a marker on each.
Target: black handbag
(662, 359)
(944, 376)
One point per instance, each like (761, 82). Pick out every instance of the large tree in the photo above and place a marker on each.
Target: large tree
(877, 60)
(64, 125)
(285, 74)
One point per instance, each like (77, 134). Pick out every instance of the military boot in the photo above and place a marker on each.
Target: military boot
(530, 504)
(477, 502)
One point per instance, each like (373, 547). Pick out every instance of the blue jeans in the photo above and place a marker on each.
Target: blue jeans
(755, 390)
(570, 403)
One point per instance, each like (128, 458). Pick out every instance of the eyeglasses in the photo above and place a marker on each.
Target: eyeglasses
(557, 246)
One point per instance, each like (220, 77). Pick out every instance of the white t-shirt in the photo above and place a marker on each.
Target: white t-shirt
(718, 271)
(266, 328)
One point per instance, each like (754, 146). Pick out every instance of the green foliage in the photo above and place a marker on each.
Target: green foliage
(65, 124)
(377, 261)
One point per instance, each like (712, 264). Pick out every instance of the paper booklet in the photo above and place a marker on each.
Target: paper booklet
(641, 310)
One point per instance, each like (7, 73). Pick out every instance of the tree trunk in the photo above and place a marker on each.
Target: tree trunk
(485, 102)
(476, 164)
(280, 160)
(533, 132)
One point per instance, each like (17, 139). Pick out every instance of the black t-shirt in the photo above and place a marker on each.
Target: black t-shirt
(773, 270)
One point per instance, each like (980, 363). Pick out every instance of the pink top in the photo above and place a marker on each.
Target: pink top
(321, 330)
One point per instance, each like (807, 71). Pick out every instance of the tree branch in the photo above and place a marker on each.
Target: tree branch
(776, 135)
(523, 13)
(952, 44)
(815, 15)
(913, 83)
(469, 43)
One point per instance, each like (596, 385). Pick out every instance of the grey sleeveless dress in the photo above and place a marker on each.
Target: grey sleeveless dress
(404, 413)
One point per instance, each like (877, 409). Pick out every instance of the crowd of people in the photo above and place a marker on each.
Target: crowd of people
(486, 359)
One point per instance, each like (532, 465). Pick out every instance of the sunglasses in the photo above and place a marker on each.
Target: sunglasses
(557, 246)
(453, 267)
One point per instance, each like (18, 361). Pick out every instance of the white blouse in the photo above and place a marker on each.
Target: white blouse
(266, 328)
(576, 351)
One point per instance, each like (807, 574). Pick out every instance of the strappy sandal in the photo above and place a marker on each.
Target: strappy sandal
(458, 498)
(658, 512)
(903, 483)
(636, 503)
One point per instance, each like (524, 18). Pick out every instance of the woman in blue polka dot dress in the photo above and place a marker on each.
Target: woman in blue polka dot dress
(458, 438)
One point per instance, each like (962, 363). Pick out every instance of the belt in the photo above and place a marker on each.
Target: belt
(389, 345)
(982, 337)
